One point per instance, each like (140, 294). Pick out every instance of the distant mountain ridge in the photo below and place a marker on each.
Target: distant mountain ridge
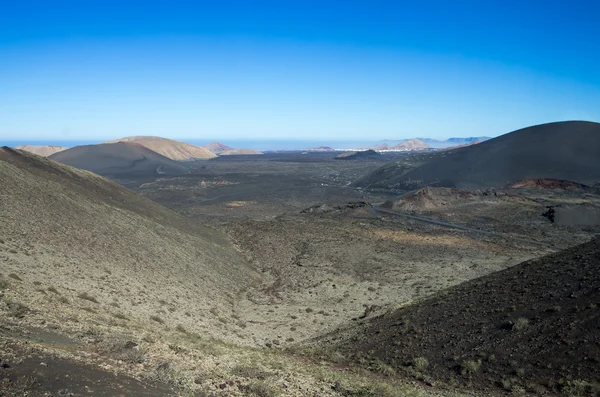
(450, 142)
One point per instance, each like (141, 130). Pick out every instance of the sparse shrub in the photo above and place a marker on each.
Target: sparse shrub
(384, 368)
(4, 284)
(120, 316)
(37, 283)
(241, 324)
(250, 372)
(89, 310)
(520, 324)
(309, 310)
(180, 328)
(63, 299)
(420, 363)
(167, 375)
(16, 309)
(469, 367)
(157, 319)
(262, 389)
(53, 290)
(214, 311)
(87, 297)
(132, 355)
(578, 387)
(15, 277)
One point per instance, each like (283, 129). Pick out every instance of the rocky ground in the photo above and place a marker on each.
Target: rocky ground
(322, 259)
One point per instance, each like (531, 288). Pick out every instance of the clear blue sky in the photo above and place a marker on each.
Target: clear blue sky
(352, 70)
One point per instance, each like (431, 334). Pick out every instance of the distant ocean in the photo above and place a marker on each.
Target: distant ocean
(262, 145)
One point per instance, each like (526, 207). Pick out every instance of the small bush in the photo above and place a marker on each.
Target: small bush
(15, 277)
(420, 364)
(520, 324)
(53, 290)
(309, 310)
(16, 309)
(4, 284)
(157, 319)
(469, 367)
(384, 368)
(181, 328)
(262, 389)
(250, 372)
(87, 297)
(120, 316)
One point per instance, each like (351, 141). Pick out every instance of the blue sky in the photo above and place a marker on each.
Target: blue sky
(322, 70)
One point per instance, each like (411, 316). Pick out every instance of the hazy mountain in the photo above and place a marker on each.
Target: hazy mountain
(217, 148)
(411, 144)
(450, 142)
(42, 150)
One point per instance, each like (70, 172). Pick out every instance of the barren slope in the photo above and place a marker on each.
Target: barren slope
(535, 327)
(42, 150)
(170, 148)
(77, 246)
(121, 159)
(566, 150)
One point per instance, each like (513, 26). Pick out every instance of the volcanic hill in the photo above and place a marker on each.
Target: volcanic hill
(79, 249)
(564, 150)
(533, 327)
(170, 148)
(118, 160)
(358, 155)
(217, 148)
(411, 144)
(42, 150)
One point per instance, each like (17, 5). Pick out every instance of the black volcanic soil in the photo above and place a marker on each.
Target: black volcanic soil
(534, 327)
(566, 150)
(28, 372)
